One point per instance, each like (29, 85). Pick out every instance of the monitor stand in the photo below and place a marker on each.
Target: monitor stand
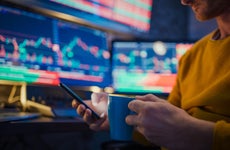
(17, 92)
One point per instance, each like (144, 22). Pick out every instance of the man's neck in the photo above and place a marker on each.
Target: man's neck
(223, 22)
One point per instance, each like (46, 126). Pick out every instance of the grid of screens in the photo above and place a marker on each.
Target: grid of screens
(42, 50)
(146, 67)
(121, 15)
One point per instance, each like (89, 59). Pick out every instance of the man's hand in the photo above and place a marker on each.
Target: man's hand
(98, 103)
(169, 126)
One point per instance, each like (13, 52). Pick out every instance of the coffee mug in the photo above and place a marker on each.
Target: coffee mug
(117, 112)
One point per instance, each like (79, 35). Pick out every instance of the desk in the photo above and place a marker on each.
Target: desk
(27, 134)
(50, 133)
(43, 125)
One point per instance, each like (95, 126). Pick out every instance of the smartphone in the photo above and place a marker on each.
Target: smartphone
(79, 99)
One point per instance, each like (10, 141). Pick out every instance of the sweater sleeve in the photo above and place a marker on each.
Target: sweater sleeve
(174, 96)
(221, 139)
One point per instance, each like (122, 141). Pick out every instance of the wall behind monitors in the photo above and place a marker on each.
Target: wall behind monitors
(43, 50)
(130, 17)
(146, 67)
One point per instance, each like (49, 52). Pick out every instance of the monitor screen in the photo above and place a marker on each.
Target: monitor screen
(124, 17)
(41, 50)
(120, 15)
(146, 67)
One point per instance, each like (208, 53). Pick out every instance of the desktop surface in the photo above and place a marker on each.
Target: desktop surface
(17, 116)
(42, 124)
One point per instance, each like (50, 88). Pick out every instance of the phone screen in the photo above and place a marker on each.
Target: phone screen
(79, 99)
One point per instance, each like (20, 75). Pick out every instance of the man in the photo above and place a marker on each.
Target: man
(199, 118)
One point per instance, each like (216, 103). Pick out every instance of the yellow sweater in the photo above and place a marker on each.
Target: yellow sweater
(203, 86)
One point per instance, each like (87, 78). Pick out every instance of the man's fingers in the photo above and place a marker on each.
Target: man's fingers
(149, 97)
(88, 116)
(136, 105)
(74, 104)
(97, 124)
(81, 110)
(132, 120)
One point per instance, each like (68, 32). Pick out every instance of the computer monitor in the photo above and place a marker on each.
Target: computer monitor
(146, 66)
(128, 16)
(116, 16)
(37, 49)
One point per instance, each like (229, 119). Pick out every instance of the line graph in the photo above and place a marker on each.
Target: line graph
(27, 49)
(45, 46)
